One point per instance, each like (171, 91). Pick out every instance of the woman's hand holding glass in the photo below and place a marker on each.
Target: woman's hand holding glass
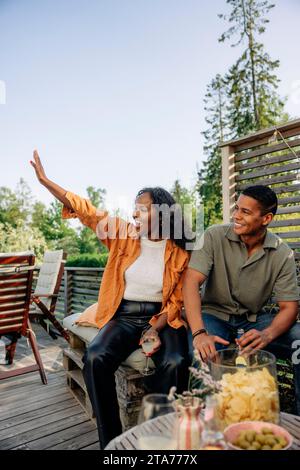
(150, 343)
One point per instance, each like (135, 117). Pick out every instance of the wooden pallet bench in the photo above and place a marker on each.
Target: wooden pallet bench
(129, 381)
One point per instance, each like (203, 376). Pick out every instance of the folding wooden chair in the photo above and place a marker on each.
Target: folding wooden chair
(46, 292)
(16, 273)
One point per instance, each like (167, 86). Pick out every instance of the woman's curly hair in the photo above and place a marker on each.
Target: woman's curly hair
(179, 229)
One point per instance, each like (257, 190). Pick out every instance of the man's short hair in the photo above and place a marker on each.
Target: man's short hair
(265, 196)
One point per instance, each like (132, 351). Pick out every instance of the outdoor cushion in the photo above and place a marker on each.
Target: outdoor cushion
(136, 360)
(48, 275)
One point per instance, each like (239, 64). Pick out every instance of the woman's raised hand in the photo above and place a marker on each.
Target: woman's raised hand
(37, 165)
(56, 190)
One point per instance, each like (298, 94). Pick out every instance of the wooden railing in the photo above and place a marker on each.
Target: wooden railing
(78, 290)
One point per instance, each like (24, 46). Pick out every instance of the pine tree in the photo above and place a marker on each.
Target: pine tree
(181, 194)
(252, 81)
(210, 175)
(243, 101)
(188, 199)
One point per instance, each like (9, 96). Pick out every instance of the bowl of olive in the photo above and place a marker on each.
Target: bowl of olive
(257, 435)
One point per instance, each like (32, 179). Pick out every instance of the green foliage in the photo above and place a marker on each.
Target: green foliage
(88, 260)
(26, 224)
(57, 232)
(191, 204)
(96, 196)
(181, 194)
(252, 81)
(210, 176)
(243, 101)
(50, 222)
(21, 237)
(15, 205)
(87, 241)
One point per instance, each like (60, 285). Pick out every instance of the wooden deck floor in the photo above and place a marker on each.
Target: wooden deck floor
(36, 416)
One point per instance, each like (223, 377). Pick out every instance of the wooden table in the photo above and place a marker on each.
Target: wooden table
(128, 440)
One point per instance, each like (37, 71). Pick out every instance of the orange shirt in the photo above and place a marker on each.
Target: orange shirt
(124, 248)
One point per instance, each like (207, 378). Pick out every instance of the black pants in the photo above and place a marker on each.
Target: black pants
(113, 344)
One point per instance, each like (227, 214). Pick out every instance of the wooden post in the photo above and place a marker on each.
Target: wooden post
(228, 182)
(68, 292)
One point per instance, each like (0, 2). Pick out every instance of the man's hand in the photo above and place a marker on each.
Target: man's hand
(254, 340)
(37, 165)
(205, 344)
(152, 335)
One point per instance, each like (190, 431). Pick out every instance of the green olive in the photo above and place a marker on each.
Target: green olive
(282, 441)
(256, 444)
(260, 438)
(244, 444)
(270, 441)
(266, 431)
(265, 440)
(277, 447)
(250, 436)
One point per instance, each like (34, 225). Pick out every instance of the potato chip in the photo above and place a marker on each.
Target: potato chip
(248, 395)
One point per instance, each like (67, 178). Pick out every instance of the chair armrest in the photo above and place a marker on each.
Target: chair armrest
(44, 295)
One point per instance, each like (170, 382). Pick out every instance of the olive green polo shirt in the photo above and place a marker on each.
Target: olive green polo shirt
(236, 284)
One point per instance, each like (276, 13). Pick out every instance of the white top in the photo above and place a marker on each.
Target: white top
(144, 278)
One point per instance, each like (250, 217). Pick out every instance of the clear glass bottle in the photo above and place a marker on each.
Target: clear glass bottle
(212, 437)
(239, 334)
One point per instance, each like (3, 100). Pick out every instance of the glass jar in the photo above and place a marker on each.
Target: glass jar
(249, 386)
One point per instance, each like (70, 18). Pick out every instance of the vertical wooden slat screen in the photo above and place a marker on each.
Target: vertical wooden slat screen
(259, 159)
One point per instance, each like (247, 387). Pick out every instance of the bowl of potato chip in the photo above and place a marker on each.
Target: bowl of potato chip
(249, 390)
(257, 435)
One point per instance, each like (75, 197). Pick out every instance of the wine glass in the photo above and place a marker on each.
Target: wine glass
(157, 417)
(148, 345)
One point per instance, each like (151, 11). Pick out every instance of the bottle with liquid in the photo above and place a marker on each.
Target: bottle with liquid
(240, 360)
(240, 333)
(212, 437)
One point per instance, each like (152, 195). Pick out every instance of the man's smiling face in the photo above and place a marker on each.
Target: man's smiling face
(248, 217)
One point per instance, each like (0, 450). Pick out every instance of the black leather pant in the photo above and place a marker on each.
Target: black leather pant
(113, 344)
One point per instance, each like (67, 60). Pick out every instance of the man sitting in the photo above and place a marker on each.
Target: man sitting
(241, 265)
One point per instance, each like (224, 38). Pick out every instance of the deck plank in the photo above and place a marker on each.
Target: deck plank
(16, 394)
(20, 410)
(35, 425)
(33, 397)
(78, 441)
(77, 416)
(12, 424)
(61, 437)
(91, 447)
(36, 416)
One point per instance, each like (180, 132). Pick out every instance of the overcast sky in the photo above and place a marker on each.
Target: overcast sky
(111, 91)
